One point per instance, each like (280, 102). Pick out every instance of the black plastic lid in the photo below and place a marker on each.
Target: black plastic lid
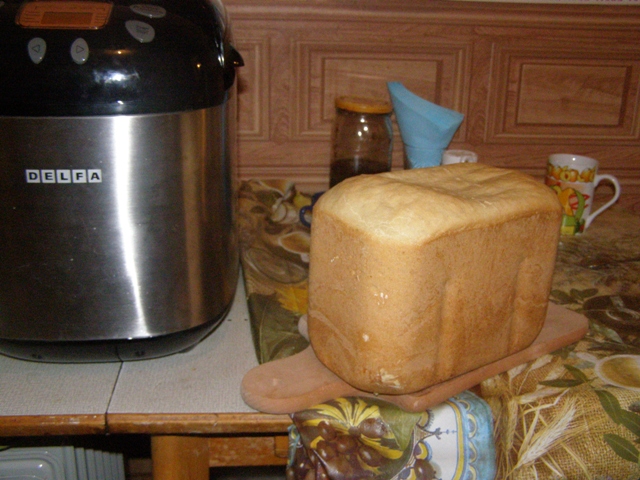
(149, 57)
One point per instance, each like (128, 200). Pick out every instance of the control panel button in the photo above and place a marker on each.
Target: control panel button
(36, 47)
(141, 31)
(79, 51)
(150, 11)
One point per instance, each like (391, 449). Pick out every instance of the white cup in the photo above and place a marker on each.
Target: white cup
(575, 178)
(458, 156)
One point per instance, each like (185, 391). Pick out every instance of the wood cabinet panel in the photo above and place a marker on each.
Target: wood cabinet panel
(253, 89)
(571, 95)
(327, 71)
(530, 79)
(548, 95)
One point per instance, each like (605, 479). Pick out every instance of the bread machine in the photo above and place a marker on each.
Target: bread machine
(117, 206)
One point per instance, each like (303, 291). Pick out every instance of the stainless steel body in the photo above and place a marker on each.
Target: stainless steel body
(117, 124)
(115, 227)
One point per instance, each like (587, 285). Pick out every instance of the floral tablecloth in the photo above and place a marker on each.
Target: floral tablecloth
(570, 414)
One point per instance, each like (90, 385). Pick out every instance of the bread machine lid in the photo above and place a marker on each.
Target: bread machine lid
(95, 57)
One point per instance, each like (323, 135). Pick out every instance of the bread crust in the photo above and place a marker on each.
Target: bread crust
(418, 276)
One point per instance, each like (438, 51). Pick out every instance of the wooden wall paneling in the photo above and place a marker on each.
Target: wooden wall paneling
(559, 91)
(439, 73)
(574, 96)
(342, 60)
(264, 86)
(571, 93)
(530, 79)
(253, 89)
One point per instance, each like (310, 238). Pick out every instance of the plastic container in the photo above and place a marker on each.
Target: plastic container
(362, 138)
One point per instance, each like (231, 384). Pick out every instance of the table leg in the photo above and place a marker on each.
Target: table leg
(180, 457)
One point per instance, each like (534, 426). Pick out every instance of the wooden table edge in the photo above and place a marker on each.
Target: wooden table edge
(37, 425)
(196, 423)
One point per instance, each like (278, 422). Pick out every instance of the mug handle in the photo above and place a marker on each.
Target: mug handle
(303, 215)
(616, 195)
(308, 209)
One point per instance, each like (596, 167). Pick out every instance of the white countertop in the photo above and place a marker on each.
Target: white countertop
(205, 379)
(30, 388)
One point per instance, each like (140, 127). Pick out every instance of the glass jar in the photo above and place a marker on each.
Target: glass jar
(362, 138)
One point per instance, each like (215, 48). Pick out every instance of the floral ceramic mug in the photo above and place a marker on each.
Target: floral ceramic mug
(575, 178)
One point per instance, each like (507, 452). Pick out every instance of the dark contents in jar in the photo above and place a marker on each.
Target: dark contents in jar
(349, 167)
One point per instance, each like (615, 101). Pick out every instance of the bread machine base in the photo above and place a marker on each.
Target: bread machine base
(109, 350)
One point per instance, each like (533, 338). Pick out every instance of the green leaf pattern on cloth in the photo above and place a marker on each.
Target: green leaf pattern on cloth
(274, 248)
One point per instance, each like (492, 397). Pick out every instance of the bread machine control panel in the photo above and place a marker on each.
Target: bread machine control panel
(80, 15)
(113, 57)
(72, 14)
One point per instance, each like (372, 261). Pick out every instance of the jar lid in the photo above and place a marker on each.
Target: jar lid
(363, 105)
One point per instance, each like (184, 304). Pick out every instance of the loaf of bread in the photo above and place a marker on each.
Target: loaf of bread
(417, 276)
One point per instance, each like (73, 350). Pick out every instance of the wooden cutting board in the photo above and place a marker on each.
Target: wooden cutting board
(300, 381)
